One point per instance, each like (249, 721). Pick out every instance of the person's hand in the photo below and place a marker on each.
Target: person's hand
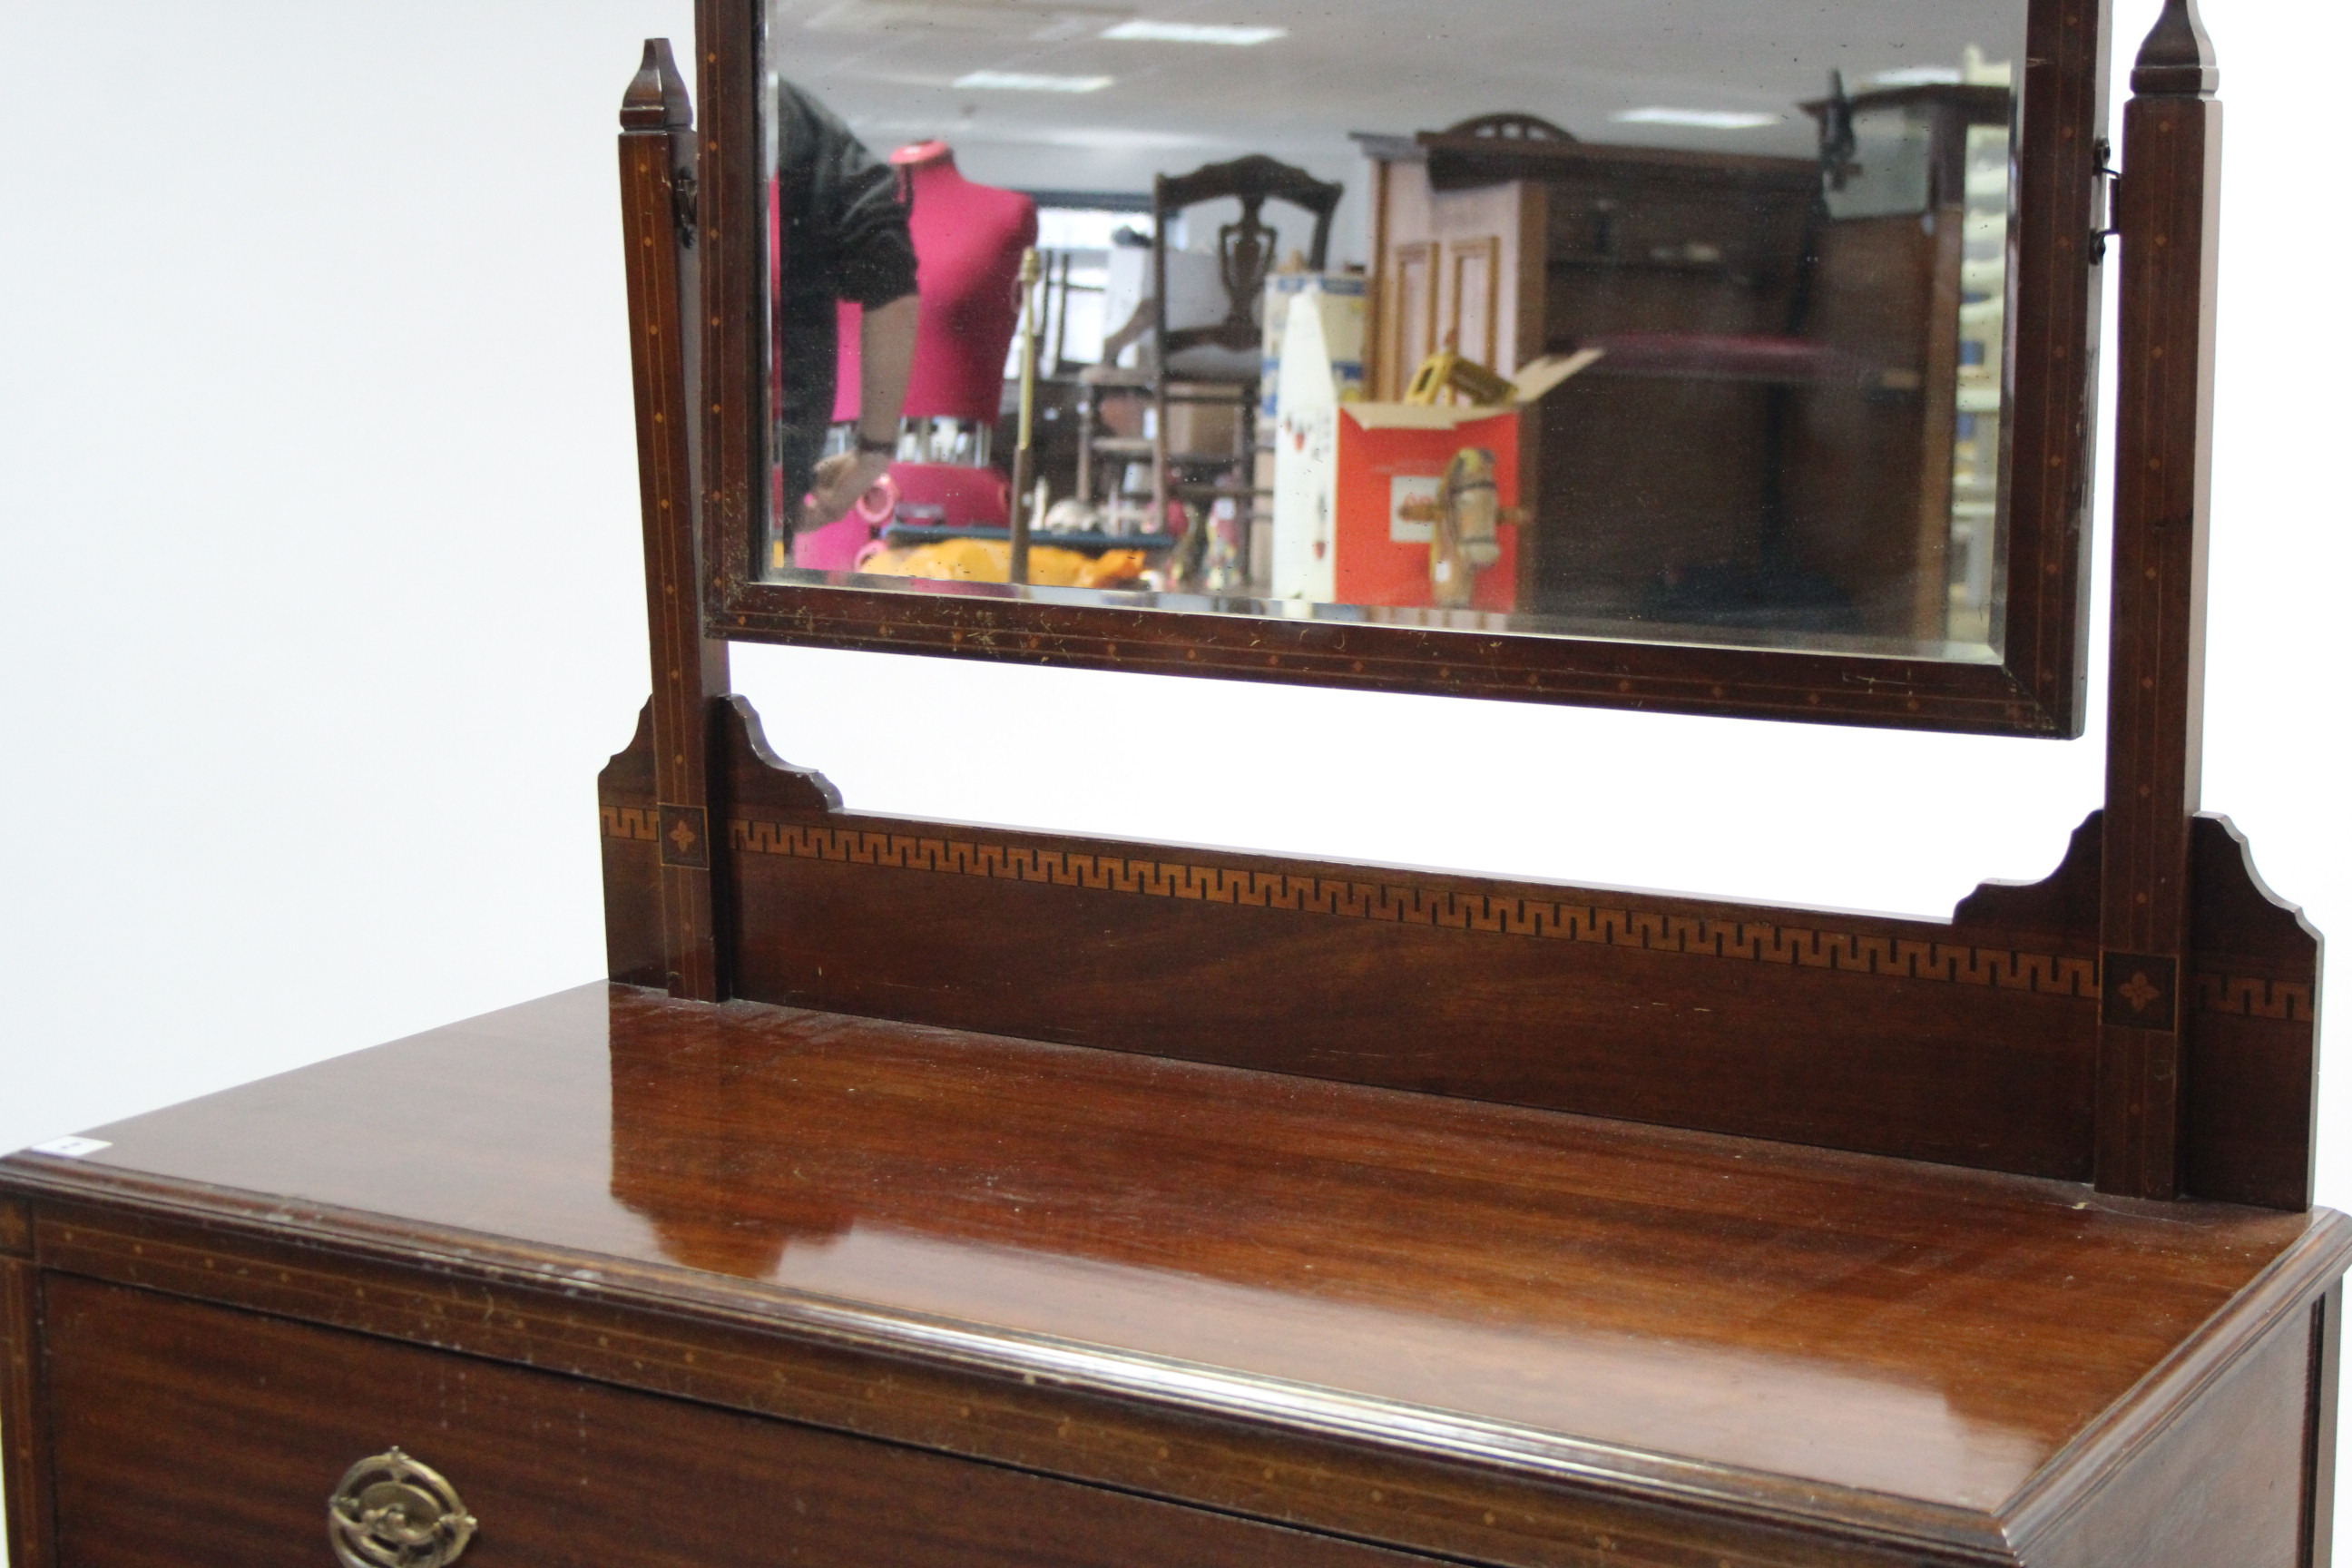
(838, 482)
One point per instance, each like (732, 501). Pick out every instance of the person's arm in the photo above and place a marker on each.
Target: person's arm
(863, 210)
(886, 355)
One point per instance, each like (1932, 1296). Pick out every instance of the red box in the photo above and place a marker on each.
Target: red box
(1391, 453)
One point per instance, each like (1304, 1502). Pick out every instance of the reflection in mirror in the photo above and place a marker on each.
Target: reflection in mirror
(1679, 321)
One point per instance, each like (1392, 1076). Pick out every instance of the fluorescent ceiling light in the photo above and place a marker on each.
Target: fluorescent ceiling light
(1116, 139)
(1918, 76)
(1704, 119)
(1052, 19)
(1022, 82)
(1194, 33)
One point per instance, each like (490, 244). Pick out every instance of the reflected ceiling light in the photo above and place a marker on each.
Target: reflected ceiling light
(1118, 139)
(1704, 119)
(1917, 76)
(1049, 20)
(1024, 81)
(1194, 33)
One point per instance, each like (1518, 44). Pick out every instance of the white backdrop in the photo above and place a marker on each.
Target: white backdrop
(321, 599)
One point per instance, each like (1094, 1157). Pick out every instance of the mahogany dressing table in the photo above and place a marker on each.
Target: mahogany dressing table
(1372, 1216)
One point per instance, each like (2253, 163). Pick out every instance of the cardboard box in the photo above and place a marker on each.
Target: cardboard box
(1357, 485)
(1208, 429)
(1391, 473)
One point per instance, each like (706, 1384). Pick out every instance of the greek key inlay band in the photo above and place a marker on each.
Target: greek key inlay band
(1758, 942)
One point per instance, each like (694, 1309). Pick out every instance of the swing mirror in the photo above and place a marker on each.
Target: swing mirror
(1705, 356)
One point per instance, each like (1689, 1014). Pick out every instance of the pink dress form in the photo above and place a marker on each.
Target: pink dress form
(967, 243)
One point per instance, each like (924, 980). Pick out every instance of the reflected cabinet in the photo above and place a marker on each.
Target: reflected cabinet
(1789, 426)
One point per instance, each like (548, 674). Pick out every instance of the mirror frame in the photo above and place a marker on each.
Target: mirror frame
(2037, 689)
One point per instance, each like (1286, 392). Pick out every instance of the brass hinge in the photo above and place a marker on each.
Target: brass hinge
(2104, 203)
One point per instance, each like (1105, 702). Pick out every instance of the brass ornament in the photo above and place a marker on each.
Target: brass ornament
(390, 1512)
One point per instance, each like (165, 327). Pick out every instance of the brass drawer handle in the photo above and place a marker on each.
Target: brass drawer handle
(391, 1512)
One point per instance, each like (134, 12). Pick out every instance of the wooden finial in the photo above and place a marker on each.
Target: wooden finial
(656, 97)
(2176, 60)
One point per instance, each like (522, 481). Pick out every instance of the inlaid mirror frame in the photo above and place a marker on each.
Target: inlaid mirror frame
(2036, 688)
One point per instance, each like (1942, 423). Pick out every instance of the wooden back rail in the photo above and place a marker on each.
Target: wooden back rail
(2145, 1017)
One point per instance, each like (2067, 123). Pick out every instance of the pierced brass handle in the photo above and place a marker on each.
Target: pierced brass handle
(391, 1512)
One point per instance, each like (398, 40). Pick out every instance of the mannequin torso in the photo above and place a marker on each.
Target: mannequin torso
(967, 243)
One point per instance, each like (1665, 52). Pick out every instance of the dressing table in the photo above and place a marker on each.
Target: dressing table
(1356, 1215)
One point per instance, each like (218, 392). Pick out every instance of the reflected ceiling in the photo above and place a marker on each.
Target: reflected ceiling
(1048, 102)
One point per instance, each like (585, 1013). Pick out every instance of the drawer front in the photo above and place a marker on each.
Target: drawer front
(186, 1434)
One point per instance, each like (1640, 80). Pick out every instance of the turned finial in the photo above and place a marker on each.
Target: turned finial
(2176, 60)
(656, 97)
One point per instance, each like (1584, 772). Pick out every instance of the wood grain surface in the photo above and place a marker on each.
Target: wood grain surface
(1933, 1334)
(689, 669)
(556, 1470)
(2169, 215)
(24, 1417)
(1971, 1041)
(2229, 1482)
(2249, 1122)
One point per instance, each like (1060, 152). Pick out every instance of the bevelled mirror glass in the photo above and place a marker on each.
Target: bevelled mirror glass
(1685, 325)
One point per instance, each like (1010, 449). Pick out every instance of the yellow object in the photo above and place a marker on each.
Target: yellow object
(1024, 467)
(991, 561)
(1446, 371)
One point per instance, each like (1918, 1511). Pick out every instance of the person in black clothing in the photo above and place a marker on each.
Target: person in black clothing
(843, 238)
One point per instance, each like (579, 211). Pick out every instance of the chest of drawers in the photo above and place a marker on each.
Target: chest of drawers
(656, 1282)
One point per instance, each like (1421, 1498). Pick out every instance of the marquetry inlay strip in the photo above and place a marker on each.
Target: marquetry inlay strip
(1760, 941)
(2250, 997)
(641, 823)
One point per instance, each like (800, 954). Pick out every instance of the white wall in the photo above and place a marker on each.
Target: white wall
(320, 593)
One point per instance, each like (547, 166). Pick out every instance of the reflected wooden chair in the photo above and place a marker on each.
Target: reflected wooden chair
(1245, 254)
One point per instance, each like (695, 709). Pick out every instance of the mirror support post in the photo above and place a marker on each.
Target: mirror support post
(689, 669)
(2167, 211)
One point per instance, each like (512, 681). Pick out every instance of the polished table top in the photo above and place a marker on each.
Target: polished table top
(1925, 1332)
